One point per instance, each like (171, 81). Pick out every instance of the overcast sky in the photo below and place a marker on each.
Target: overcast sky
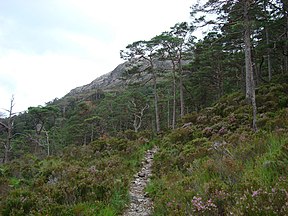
(48, 47)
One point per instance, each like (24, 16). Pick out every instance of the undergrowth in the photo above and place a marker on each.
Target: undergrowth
(219, 166)
(84, 180)
(215, 165)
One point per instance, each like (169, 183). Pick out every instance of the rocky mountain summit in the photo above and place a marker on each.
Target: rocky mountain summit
(105, 81)
(118, 78)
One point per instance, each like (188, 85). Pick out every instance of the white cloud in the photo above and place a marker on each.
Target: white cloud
(39, 79)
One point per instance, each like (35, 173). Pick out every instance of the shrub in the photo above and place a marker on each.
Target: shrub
(20, 202)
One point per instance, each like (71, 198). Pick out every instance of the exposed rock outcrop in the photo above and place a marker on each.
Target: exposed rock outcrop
(115, 78)
(105, 81)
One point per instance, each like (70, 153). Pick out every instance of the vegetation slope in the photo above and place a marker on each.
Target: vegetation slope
(62, 159)
(217, 165)
(212, 164)
(86, 180)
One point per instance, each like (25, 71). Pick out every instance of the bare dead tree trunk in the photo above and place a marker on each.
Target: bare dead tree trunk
(138, 116)
(47, 142)
(9, 128)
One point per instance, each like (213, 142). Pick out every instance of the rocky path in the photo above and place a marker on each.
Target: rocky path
(141, 204)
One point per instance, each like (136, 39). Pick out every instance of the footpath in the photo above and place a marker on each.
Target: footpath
(141, 204)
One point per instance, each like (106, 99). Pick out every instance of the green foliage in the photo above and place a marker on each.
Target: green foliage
(20, 202)
(180, 135)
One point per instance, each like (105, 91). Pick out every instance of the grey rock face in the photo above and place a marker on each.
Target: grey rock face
(110, 79)
(115, 79)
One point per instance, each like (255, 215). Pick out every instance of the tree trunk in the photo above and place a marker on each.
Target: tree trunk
(157, 119)
(8, 141)
(174, 96)
(174, 101)
(257, 74)
(250, 86)
(135, 125)
(285, 52)
(168, 111)
(85, 140)
(92, 133)
(219, 80)
(268, 55)
(138, 115)
(182, 105)
(48, 143)
(248, 62)
(6, 156)
(9, 128)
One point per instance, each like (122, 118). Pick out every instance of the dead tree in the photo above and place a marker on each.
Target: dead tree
(138, 115)
(9, 128)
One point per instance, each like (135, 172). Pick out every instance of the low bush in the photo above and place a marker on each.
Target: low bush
(89, 180)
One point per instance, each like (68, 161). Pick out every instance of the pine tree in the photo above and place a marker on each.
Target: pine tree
(231, 13)
(145, 51)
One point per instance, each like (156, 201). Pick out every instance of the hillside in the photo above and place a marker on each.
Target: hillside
(213, 165)
(216, 165)
(117, 78)
(106, 81)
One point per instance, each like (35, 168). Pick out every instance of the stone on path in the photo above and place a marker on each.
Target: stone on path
(141, 204)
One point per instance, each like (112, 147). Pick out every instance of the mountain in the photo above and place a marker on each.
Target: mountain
(106, 81)
(118, 78)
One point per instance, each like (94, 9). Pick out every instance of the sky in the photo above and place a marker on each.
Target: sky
(48, 47)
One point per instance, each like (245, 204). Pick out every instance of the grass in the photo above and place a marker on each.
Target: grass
(270, 165)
